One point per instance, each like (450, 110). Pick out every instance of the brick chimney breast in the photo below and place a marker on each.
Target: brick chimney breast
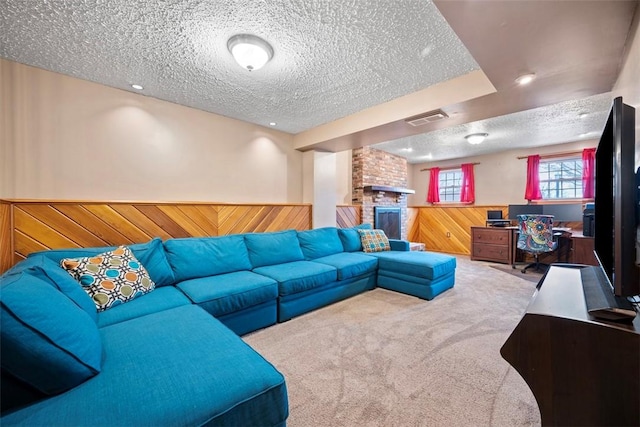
(375, 167)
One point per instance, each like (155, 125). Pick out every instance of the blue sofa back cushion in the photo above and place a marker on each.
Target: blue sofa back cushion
(273, 248)
(350, 237)
(50, 272)
(192, 257)
(320, 242)
(150, 254)
(48, 342)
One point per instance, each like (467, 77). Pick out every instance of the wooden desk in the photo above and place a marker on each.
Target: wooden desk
(582, 249)
(499, 244)
(582, 372)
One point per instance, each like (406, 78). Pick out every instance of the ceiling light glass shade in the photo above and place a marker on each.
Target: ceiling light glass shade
(249, 51)
(525, 79)
(476, 138)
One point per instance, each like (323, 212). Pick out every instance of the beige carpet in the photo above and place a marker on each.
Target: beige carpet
(531, 275)
(387, 359)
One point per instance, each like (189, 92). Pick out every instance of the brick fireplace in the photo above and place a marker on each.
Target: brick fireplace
(379, 179)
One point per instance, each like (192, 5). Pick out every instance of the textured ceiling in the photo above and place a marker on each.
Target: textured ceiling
(554, 124)
(334, 58)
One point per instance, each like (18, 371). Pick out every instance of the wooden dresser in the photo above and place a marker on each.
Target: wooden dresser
(492, 244)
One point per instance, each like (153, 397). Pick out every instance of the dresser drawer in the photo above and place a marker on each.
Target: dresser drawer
(499, 253)
(492, 236)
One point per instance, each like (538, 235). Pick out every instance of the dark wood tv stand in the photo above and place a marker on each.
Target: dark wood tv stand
(581, 371)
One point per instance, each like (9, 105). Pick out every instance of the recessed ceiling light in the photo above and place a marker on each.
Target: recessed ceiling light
(476, 138)
(408, 149)
(583, 115)
(137, 87)
(525, 79)
(272, 124)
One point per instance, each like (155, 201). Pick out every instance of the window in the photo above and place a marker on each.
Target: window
(450, 183)
(561, 179)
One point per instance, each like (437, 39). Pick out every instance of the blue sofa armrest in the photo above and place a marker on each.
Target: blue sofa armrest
(399, 245)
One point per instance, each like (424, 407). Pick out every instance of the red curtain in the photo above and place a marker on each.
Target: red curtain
(433, 196)
(532, 192)
(588, 173)
(468, 190)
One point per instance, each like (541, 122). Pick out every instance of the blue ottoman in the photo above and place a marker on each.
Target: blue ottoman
(421, 274)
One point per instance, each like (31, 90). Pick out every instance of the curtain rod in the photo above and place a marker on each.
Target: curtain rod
(554, 155)
(448, 167)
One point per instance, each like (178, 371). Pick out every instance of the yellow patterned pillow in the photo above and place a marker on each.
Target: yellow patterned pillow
(110, 278)
(374, 240)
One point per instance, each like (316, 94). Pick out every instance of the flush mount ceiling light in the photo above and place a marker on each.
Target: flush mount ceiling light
(250, 51)
(525, 79)
(476, 138)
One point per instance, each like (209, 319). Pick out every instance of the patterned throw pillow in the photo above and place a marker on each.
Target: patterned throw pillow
(110, 278)
(374, 240)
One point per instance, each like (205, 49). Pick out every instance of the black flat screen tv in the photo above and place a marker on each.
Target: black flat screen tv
(616, 201)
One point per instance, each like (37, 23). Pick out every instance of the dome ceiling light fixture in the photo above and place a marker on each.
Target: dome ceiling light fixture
(250, 51)
(525, 79)
(476, 138)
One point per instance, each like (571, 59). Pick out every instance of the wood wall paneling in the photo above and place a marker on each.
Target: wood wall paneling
(6, 245)
(413, 225)
(447, 228)
(348, 216)
(31, 226)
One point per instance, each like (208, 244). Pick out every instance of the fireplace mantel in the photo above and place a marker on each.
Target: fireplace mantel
(388, 189)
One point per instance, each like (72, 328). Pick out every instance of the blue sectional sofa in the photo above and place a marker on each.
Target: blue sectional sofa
(173, 356)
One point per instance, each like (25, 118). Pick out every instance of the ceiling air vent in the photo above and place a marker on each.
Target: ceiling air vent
(425, 118)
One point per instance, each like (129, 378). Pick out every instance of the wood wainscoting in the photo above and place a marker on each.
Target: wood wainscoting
(6, 245)
(348, 215)
(448, 228)
(30, 226)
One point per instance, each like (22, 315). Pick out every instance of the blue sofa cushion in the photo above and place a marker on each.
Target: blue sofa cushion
(206, 256)
(319, 242)
(399, 245)
(350, 237)
(273, 248)
(179, 367)
(48, 341)
(49, 271)
(226, 293)
(350, 264)
(150, 254)
(429, 265)
(299, 276)
(160, 299)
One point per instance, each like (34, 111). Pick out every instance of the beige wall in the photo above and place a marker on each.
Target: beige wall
(628, 83)
(343, 177)
(319, 187)
(65, 138)
(500, 178)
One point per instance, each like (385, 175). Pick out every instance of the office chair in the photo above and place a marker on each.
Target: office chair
(536, 237)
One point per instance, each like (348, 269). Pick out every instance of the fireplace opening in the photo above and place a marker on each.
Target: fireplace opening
(388, 219)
